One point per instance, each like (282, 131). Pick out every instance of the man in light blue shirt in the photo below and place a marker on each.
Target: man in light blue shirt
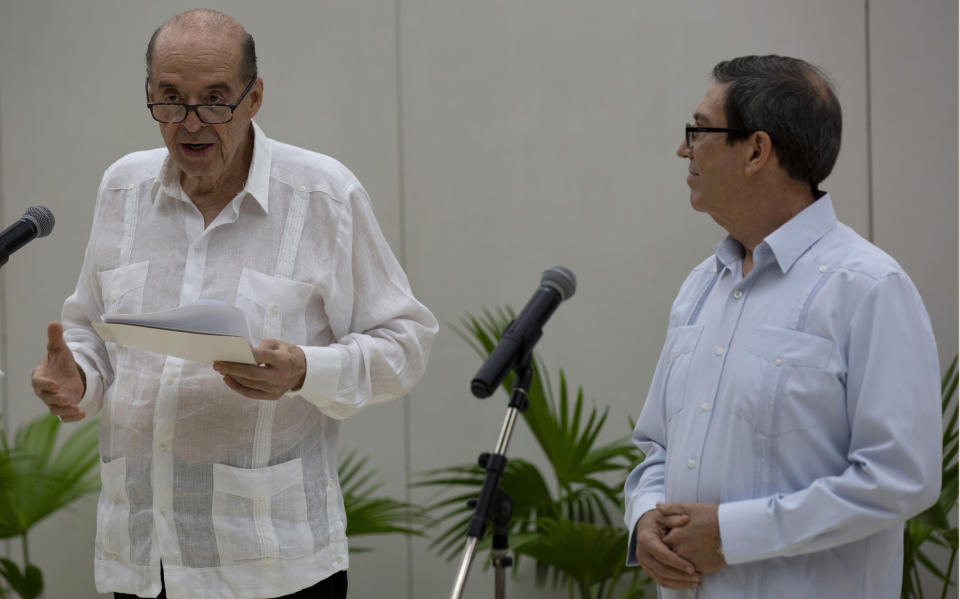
(793, 421)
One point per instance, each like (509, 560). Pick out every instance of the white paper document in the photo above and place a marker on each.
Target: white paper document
(206, 331)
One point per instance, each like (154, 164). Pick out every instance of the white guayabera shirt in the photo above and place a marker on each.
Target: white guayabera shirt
(239, 498)
(804, 400)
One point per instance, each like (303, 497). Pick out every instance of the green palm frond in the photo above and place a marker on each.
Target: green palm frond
(368, 514)
(38, 480)
(581, 501)
(933, 526)
(597, 561)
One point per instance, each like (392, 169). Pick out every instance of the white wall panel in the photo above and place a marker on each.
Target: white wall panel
(522, 135)
(541, 133)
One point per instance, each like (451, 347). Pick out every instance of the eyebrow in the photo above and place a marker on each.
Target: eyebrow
(701, 118)
(219, 86)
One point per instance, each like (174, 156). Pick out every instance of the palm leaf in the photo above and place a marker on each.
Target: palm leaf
(568, 433)
(933, 525)
(39, 481)
(368, 514)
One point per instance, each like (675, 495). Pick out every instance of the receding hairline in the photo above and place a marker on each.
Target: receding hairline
(203, 19)
(210, 25)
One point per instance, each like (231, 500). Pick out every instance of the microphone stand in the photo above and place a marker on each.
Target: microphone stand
(492, 502)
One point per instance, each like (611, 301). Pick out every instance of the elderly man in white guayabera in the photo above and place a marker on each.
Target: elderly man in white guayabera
(221, 483)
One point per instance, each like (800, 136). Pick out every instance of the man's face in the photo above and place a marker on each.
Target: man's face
(191, 68)
(715, 169)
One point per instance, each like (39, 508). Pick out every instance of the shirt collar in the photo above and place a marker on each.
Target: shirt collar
(789, 241)
(258, 177)
(795, 236)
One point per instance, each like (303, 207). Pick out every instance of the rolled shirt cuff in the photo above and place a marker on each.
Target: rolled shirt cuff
(93, 392)
(747, 530)
(635, 510)
(322, 380)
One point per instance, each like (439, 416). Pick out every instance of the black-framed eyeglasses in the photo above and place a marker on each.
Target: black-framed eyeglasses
(691, 132)
(211, 114)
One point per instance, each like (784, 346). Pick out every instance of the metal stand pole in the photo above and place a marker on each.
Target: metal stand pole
(493, 503)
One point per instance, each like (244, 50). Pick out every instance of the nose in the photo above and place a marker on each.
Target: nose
(193, 123)
(683, 151)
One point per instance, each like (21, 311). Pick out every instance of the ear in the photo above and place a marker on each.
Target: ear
(758, 150)
(256, 97)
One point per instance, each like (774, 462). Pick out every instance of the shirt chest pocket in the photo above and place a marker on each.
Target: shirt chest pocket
(787, 385)
(122, 288)
(275, 308)
(681, 341)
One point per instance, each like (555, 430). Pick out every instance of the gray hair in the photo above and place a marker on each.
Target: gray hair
(210, 20)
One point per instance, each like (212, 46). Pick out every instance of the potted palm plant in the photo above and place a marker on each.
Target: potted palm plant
(36, 480)
(573, 534)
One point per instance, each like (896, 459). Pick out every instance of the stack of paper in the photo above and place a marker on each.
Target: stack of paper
(206, 331)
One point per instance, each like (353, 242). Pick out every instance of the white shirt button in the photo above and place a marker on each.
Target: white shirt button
(737, 294)
(332, 485)
(196, 248)
(778, 362)
(162, 447)
(691, 463)
(719, 351)
(823, 268)
(275, 309)
(303, 188)
(705, 407)
(163, 511)
(131, 186)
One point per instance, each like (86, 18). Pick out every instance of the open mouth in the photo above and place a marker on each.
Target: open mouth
(194, 148)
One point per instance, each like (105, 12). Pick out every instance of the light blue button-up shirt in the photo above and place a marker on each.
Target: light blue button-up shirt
(804, 400)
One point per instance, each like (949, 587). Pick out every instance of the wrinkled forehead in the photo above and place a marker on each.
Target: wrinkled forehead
(193, 53)
(710, 110)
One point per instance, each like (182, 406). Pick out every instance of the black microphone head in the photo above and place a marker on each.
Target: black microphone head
(42, 218)
(562, 279)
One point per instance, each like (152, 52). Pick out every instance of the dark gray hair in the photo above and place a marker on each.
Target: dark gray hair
(208, 18)
(793, 102)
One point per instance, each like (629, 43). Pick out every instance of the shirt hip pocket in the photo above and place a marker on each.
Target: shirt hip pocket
(260, 513)
(788, 385)
(113, 511)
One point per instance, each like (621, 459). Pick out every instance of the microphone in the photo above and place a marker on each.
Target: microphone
(558, 283)
(37, 221)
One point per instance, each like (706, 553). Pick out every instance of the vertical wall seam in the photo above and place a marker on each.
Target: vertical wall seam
(870, 209)
(402, 222)
(4, 395)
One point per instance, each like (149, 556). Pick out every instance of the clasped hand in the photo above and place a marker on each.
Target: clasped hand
(679, 542)
(280, 367)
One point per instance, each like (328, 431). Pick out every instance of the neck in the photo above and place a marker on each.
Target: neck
(769, 211)
(211, 194)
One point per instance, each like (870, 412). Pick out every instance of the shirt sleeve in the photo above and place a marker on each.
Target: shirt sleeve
(645, 484)
(894, 457)
(83, 307)
(383, 333)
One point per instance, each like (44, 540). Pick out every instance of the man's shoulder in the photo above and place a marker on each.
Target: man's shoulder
(305, 170)
(843, 249)
(134, 168)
